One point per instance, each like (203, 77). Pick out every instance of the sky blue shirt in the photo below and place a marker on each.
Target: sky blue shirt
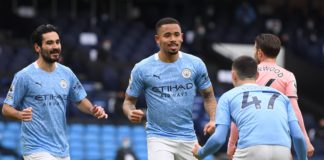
(48, 93)
(253, 108)
(169, 89)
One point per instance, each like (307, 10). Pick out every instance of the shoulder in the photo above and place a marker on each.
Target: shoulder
(64, 68)
(145, 63)
(191, 57)
(25, 72)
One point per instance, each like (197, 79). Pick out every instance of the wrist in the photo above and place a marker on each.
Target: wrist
(19, 115)
(200, 153)
(91, 110)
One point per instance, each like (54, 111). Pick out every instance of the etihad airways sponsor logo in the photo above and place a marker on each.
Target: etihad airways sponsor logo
(172, 88)
(177, 90)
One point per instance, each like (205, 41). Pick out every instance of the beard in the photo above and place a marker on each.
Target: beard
(47, 56)
(173, 52)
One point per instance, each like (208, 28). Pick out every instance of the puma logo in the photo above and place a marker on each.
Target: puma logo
(39, 84)
(156, 76)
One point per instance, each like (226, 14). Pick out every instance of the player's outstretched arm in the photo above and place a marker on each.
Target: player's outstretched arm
(298, 140)
(134, 115)
(97, 111)
(213, 144)
(210, 108)
(11, 112)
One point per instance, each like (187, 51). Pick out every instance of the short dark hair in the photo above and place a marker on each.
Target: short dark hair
(36, 36)
(269, 43)
(245, 67)
(166, 20)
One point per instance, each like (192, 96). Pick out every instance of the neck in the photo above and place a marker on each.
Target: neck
(48, 67)
(168, 58)
(245, 81)
(271, 60)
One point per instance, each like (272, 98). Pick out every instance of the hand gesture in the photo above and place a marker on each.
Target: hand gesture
(209, 128)
(99, 112)
(26, 114)
(195, 150)
(135, 116)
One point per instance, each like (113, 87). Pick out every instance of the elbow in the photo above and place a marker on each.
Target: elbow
(4, 111)
(298, 137)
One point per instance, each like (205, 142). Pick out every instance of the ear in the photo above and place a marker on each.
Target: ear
(37, 48)
(157, 39)
(234, 76)
(182, 37)
(257, 75)
(260, 53)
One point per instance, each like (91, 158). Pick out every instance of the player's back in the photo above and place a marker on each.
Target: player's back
(272, 75)
(261, 115)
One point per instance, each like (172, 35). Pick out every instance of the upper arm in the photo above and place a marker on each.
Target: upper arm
(202, 78)
(291, 112)
(130, 99)
(208, 92)
(291, 89)
(77, 93)
(17, 90)
(136, 83)
(223, 115)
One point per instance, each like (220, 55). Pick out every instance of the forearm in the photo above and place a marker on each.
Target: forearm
(298, 140)
(85, 106)
(129, 104)
(233, 136)
(209, 103)
(10, 112)
(215, 142)
(299, 117)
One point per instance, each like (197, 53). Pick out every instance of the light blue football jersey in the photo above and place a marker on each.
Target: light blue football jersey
(169, 90)
(48, 93)
(260, 113)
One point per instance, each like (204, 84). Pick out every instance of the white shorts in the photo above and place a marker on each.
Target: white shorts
(167, 149)
(43, 156)
(264, 152)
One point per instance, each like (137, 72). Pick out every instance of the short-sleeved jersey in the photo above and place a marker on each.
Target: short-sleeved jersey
(270, 74)
(48, 93)
(260, 114)
(169, 90)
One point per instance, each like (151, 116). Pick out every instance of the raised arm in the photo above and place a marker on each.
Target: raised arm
(210, 108)
(134, 115)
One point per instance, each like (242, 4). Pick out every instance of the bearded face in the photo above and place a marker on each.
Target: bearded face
(50, 50)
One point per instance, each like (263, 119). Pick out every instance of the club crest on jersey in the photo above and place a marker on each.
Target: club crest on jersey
(63, 83)
(11, 89)
(186, 73)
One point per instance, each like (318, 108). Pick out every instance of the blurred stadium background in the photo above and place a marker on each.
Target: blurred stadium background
(103, 39)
